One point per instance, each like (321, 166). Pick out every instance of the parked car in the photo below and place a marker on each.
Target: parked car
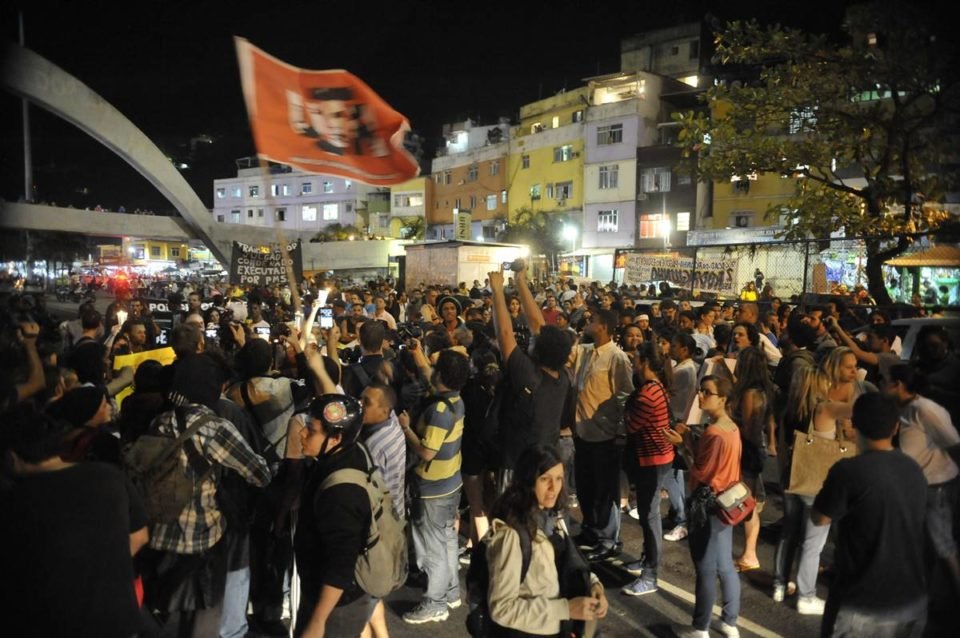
(909, 329)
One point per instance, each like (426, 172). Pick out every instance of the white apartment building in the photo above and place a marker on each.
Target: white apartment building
(288, 198)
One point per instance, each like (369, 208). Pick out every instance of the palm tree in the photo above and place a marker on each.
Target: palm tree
(540, 230)
(413, 228)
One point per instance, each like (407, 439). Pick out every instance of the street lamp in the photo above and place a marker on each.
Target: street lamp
(570, 234)
(665, 231)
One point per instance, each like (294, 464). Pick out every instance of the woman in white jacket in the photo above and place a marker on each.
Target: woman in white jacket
(530, 513)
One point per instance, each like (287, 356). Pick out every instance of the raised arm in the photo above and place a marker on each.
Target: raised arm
(501, 316)
(861, 354)
(530, 308)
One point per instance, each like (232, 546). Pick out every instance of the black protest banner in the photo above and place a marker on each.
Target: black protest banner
(262, 266)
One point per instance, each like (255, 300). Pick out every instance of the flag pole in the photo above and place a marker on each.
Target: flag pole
(282, 240)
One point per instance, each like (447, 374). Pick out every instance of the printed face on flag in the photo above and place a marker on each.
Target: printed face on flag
(326, 122)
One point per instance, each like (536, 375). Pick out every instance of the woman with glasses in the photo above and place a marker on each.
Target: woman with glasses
(716, 467)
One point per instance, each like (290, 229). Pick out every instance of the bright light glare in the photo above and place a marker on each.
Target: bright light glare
(569, 232)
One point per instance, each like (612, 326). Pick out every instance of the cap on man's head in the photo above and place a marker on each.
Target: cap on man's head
(79, 406)
(643, 317)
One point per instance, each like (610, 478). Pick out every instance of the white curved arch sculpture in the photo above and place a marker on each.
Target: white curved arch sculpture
(30, 76)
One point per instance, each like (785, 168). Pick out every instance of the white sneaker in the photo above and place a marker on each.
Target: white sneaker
(810, 606)
(730, 631)
(779, 591)
(678, 533)
(634, 514)
(686, 631)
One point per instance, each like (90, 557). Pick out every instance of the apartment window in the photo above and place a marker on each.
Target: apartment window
(683, 221)
(328, 187)
(456, 203)
(607, 221)
(221, 193)
(550, 191)
(694, 49)
(446, 177)
(503, 196)
(491, 202)
(525, 161)
(609, 134)
(577, 116)
(174, 252)
(742, 220)
(348, 207)
(609, 176)
(556, 121)
(309, 213)
(259, 212)
(254, 191)
(675, 49)
(347, 184)
(280, 215)
(535, 192)
(275, 189)
(330, 212)
(237, 191)
(650, 226)
(235, 217)
(306, 187)
(489, 232)
(219, 219)
(473, 202)
(655, 180)
(563, 153)
(564, 190)
(536, 127)
(155, 251)
(279, 190)
(495, 167)
(803, 121)
(249, 213)
(138, 252)
(416, 200)
(473, 173)
(438, 178)
(401, 200)
(684, 180)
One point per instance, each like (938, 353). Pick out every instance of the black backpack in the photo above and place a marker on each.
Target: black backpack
(479, 623)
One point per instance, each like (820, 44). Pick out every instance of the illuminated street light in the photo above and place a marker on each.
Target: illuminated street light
(570, 233)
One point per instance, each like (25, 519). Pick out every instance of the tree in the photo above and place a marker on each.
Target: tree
(337, 232)
(540, 230)
(413, 228)
(867, 128)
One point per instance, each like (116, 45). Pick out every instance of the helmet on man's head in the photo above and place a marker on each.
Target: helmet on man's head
(338, 415)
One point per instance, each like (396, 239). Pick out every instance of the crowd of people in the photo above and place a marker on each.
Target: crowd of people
(251, 451)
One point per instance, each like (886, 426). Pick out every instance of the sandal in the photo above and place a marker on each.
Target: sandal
(745, 567)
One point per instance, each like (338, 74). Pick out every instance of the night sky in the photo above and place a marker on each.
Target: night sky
(170, 67)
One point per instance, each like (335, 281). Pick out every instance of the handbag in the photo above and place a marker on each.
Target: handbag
(735, 504)
(813, 456)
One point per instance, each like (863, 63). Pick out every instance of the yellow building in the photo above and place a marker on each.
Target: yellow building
(545, 166)
(742, 201)
(144, 252)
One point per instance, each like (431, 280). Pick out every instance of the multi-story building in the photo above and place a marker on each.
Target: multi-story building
(545, 169)
(286, 198)
(407, 207)
(469, 178)
(677, 52)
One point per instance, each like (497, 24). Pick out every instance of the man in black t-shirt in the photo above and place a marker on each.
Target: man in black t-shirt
(537, 387)
(879, 501)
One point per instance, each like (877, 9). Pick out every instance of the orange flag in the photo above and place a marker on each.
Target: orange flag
(327, 122)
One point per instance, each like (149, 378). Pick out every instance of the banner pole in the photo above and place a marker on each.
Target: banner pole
(282, 240)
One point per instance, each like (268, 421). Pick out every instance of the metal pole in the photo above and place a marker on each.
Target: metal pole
(806, 265)
(27, 153)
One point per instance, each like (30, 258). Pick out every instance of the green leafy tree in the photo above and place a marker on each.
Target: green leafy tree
(542, 231)
(413, 228)
(337, 232)
(867, 127)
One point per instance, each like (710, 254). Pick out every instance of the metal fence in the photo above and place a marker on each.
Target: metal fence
(722, 272)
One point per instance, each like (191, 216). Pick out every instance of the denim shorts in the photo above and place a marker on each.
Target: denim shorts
(941, 504)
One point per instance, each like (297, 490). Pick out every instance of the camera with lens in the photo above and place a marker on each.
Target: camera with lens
(515, 266)
(406, 331)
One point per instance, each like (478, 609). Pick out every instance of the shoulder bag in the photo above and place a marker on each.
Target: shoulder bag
(813, 456)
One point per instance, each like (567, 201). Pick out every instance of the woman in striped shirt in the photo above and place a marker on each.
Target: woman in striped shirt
(650, 458)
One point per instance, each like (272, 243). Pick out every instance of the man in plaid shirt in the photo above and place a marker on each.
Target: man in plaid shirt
(185, 572)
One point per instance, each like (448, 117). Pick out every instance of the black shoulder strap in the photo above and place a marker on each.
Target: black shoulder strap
(361, 374)
(245, 395)
(526, 551)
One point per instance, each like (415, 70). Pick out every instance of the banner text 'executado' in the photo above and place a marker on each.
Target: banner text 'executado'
(252, 265)
(327, 122)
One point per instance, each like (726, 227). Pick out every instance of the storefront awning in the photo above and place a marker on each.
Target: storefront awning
(935, 257)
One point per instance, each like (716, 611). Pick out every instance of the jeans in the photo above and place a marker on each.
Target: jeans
(435, 542)
(233, 622)
(598, 488)
(649, 481)
(908, 621)
(673, 483)
(711, 548)
(799, 531)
